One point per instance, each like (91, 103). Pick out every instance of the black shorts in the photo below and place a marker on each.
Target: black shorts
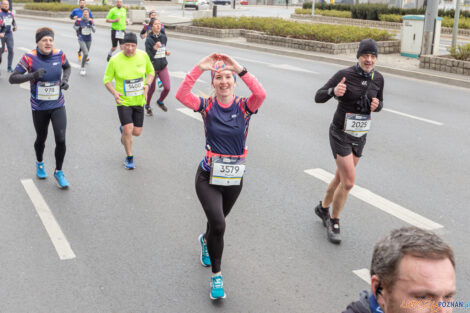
(344, 144)
(131, 114)
(114, 40)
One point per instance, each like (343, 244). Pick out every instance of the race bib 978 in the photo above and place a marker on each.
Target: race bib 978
(48, 91)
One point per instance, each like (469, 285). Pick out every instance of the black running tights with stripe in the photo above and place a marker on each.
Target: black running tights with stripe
(217, 201)
(41, 121)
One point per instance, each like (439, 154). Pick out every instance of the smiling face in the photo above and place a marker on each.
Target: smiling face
(223, 83)
(5, 5)
(46, 44)
(85, 14)
(420, 279)
(367, 62)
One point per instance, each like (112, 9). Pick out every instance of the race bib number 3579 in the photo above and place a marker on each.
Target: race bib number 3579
(227, 171)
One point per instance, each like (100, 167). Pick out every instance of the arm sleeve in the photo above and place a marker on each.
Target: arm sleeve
(109, 73)
(76, 25)
(19, 78)
(143, 31)
(258, 94)
(14, 21)
(67, 69)
(322, 94)
(184, 94)
(73, 14)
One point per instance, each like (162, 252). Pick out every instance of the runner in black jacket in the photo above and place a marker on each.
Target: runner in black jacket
(359, 91)
(155, 45)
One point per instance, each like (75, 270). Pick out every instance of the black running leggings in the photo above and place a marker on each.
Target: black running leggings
(41, 121)
(217, 201)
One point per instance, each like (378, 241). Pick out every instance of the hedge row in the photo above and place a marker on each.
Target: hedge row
(447, 21)
(461, 52)
(334, 13)
(285, 28)
(372, 11)
(59, 7)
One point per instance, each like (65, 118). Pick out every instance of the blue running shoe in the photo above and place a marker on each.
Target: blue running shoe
(61, 181)
(205, 260)
(217, 288)
(129, 163)
(40, 171)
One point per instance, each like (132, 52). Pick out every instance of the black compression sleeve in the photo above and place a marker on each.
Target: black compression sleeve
(18, 78)
(67, 70)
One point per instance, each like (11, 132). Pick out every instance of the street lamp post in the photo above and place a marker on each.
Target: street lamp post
(455, 29)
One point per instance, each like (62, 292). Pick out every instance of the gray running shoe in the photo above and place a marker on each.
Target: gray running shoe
(332, 230)
(323, 213)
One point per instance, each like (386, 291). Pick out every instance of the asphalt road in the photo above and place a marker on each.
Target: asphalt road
(134, 233)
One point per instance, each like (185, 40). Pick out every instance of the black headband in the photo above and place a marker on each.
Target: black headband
(43, 34)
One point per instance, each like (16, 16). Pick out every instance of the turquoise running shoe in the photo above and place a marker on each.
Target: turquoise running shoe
(61, 181)
(217, 288)
(40, 171)
(205, 259)
(129, 163)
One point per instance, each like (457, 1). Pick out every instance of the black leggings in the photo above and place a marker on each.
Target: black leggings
(41, 121)
(217, 201)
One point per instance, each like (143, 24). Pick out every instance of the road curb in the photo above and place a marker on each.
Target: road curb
(299, 54)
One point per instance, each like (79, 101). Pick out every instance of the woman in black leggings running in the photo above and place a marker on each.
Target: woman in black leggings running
(219, 177)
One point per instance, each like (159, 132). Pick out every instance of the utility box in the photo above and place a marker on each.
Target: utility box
(412, 35)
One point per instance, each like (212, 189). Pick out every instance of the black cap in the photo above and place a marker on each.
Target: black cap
(367, 46)
(130, 38)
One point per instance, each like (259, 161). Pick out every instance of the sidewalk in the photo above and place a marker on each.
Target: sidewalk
(391, 64)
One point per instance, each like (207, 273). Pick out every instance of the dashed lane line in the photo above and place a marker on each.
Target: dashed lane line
(363, 274)
(53, 229)
(381, 203)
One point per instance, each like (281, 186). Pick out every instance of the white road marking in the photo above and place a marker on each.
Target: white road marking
(381, 203)
(182, 75)
(191, 113)
(363, 274)
(58, 238)
(25, 85)
(75, 65)
(414, 117)
(278, 66)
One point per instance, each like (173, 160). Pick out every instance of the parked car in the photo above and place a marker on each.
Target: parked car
(223, 2)
(244, 2)
(197, 4)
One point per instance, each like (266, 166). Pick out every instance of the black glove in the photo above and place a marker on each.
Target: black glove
(37, 75)
(64, 85)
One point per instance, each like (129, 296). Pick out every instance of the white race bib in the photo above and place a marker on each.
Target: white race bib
(133, 87)
(357, 125)
(48, 91)
(86, 31)
(8, 21)
(119, 34)
(227, 171)
(161, 53)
